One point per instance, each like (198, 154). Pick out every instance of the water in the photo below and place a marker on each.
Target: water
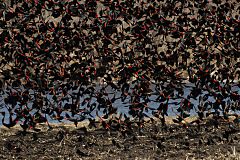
(121, 105)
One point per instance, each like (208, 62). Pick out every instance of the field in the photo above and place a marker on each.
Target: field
(202, 141)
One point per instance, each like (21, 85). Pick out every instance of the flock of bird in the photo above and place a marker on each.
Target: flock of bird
(85, 60)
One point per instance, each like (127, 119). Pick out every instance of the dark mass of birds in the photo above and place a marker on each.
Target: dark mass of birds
(73, 60)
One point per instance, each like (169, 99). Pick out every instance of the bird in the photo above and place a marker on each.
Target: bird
(74, 120)
(12, 122)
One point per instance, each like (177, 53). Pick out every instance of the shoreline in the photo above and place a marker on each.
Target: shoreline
(85, 123)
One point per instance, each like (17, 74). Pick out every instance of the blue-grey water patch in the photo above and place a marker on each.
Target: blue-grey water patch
(121, 106)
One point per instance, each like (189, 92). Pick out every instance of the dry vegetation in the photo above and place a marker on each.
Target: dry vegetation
(155, 142)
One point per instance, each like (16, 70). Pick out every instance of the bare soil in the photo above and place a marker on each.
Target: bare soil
(154, 142)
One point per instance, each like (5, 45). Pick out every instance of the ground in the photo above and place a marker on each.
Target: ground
(154, 142)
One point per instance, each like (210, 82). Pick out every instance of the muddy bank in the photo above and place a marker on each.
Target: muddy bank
(173, 141)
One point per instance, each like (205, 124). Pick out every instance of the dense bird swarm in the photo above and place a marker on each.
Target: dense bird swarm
(85, 60)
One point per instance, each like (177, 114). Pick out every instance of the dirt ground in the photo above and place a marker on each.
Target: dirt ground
(154, 142)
